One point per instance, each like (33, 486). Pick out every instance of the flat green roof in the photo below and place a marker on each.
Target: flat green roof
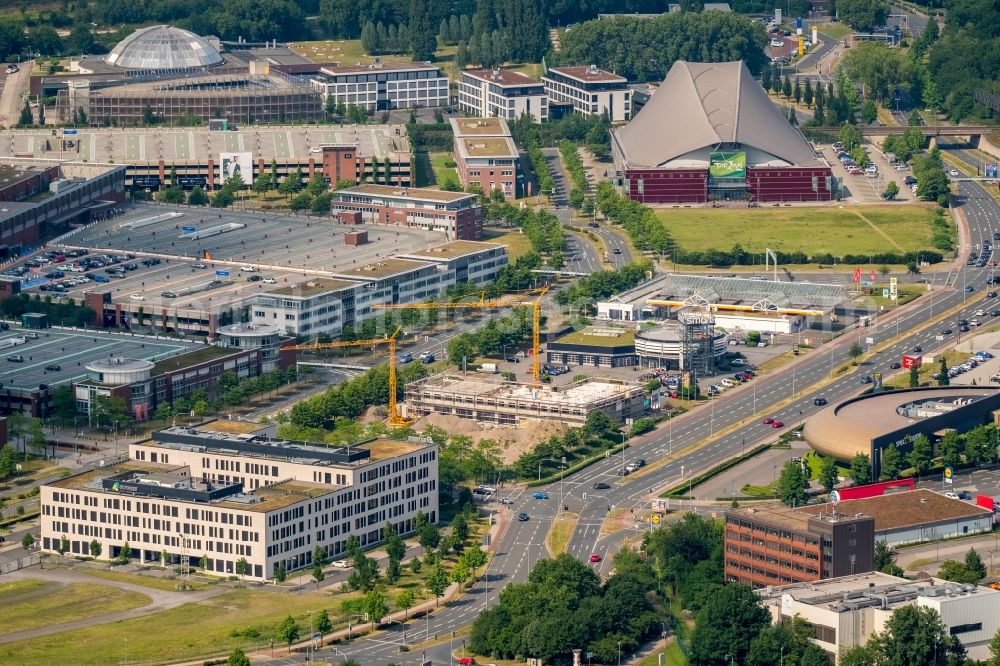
(591, 337)
(195, 357)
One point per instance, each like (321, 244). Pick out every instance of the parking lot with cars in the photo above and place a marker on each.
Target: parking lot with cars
(867, 181)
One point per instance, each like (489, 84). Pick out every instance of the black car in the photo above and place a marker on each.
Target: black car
(917, 349)
(964, 495)
(946, 331)
(970, 288)
(254, 278)
(895, 365)
(819, 402)
(53, 368)
(17, 358)
(963, 329)
(641, 462)
(600, 485)
(522, 517)
(995, 313)
(991, 294)
(867, 379)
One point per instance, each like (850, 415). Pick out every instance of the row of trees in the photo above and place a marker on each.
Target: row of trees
(497, 336)
(577, 174)
(644, 49)
(67, 313)
(351, 398)
(604, 283)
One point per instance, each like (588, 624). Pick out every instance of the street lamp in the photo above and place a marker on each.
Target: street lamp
(619, 653)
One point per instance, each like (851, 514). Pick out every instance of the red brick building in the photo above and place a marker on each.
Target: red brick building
(485, 155)
(776, 545)
(455, 213)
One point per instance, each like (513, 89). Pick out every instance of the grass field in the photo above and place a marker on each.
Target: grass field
(69, 603)
(349, 52)
(839, 231)
(517, 243)
(835, 30)
(904, 294)
(18, 588)
(928, 370)
(184, 632)
(445, 172)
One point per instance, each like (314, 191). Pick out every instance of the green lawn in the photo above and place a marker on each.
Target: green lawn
(516, 242)
(839, 231)
(17, 588)
(834, 30)
(136, 579)
(423, 172)
(445, 172)
(67, 604)
(349, 52)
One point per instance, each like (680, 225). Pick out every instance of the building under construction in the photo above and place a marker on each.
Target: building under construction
(509, 403)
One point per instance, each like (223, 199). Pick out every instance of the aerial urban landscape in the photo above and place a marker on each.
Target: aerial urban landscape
(500, 332)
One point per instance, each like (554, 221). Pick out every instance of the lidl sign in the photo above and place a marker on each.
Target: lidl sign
(727, 165)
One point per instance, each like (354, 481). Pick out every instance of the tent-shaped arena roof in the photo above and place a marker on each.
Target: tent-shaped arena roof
(704, 105)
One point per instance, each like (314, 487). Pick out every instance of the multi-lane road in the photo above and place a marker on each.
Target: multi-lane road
(726, 426)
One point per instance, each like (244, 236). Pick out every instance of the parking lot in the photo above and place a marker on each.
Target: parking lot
(206, 272)
(57, 356)
(866, 188)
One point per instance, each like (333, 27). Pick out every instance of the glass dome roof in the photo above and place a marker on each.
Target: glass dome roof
(163, 47)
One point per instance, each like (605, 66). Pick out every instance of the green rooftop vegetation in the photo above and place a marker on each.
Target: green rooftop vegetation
(599, 338)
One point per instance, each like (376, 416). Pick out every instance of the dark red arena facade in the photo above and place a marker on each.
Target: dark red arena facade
(710, 133)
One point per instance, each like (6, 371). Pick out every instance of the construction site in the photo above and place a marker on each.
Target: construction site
(510, 403)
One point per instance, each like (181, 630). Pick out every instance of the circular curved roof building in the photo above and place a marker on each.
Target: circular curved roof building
(162, 47)
(869, 423)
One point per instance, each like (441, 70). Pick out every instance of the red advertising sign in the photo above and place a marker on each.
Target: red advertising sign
(912, 362)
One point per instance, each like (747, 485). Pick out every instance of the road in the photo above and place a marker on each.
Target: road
(14, 86)
(785, 395)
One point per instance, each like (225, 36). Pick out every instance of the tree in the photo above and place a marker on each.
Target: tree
(883, 556)
(792, 118)
(950, 449)
(280, 573)
(437, 581)
(797, 91)
(423, 42)
(301, 201)
(222, 199)
(242, 567)
(375, 606)
(920, 454)
(786, 87)
(942, 376)
(856, 350)
(125, 554)
(405, 600)
(913, 635)
(318, 575)
(26, 118)
(287, 631)
(62, 545)
(729, 620)
(957, 572)
(974, 563)
(792, 484)
(892, 463)
(95, 548)
(322, 623)
(765, 79)
(995, 650)
(914, 380)
(828, 473)
(238, 658)
(891, 190)
(807, 93)
(27, 541)
(862, 15)
(321, 204)
(197, 197)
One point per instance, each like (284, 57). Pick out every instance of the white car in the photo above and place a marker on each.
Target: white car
(270, 280)
(952, 495)
(777, 43)
(341, 564)
(953, 172)
(137, 297)
(248, 269)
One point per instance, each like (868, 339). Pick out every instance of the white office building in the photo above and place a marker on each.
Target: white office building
(325, 305)
(590, 90)
(502, 93)
(844, 612)
(384, 86)
(224, 496)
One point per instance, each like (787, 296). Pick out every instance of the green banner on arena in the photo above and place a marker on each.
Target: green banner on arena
(727, 165)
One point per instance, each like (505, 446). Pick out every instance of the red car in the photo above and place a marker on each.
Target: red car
(747, 376)
(768, 421)
(467, 661)
(777, 424)
(594, 557)
(856, 172)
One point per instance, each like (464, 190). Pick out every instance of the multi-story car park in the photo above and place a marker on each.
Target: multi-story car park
(230, 493)
(41, 197)
(196, 154)
(325, 305)
(485, 155)
(502, 93)
(383, 86)
(590, 90)
(455, 213)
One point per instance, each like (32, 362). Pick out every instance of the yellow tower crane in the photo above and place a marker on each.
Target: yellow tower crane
(394, 416)
(536, 319)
